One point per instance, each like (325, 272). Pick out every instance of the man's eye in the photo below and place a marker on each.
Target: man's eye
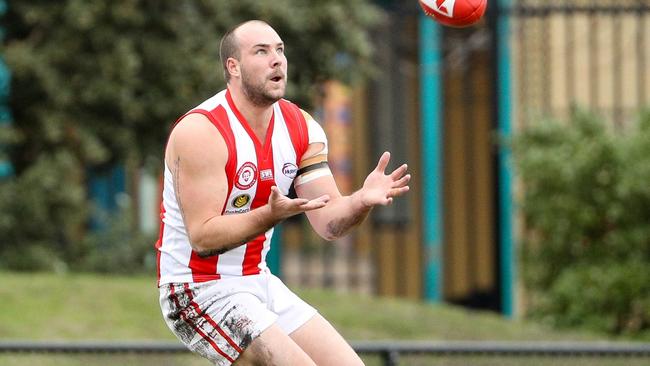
(261, 51)
(280, 50)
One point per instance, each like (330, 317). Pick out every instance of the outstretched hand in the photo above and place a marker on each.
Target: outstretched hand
(380, 188)
(284, 207)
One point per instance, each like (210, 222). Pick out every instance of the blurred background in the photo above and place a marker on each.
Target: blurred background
(527, 135)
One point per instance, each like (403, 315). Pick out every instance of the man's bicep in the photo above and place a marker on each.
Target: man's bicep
(200, 186)
(314, 177)
(198, 157)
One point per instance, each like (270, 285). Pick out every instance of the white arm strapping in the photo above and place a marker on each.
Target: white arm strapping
(309, 176)
(316, 134)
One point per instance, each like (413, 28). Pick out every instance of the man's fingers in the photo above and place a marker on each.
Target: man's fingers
(402, 181)
(275, 192)
(398, 191)
(316, 203)
(397, 173)
(324, 198)
(312, 206)
(383, 162)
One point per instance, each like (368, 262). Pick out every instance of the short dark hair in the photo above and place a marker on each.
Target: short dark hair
(229, 47)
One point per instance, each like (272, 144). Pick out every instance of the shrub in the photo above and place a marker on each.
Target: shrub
(119, 247)
(586, 212)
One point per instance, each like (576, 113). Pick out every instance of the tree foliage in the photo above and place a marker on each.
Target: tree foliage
(100, 82)
(586, 208)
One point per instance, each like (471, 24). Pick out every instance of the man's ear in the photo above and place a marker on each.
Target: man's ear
(233, 67)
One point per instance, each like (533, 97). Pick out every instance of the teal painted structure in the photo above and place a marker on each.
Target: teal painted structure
(432, 158)
(104, 187)
(274, 256)
(432, 148)
(507, 249)
(5, 86)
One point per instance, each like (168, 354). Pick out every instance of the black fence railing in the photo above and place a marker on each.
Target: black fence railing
(591, 55)
(520, 9)
(389, 351)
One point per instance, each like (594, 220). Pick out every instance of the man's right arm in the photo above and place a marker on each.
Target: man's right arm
(197, 155)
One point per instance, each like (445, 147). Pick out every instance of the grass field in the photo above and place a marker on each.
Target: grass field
(94, 307)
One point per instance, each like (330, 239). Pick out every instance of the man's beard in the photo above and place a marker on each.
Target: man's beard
(256, 93)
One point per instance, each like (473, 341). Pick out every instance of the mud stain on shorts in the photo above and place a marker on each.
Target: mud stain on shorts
(240, 325)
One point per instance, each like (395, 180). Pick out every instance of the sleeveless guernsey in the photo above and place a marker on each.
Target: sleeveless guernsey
(253, 167)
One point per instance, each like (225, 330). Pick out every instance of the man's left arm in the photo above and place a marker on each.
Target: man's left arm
(343, 213)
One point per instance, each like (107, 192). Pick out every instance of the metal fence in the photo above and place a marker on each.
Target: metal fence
(390, 352)
(591, 54)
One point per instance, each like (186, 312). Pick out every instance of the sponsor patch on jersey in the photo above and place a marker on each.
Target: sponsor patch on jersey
(289, 170)
(266, 174)
(246, 176)
(236, 211)
(241, 200)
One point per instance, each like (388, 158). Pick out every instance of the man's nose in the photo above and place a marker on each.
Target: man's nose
(276, 59)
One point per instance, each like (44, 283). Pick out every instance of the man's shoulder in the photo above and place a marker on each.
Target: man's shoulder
(213, 102)
(212, 110)
(292, 109)
(193, 124)
(289, 103)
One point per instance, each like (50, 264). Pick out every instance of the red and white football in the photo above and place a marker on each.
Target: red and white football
(454, 13)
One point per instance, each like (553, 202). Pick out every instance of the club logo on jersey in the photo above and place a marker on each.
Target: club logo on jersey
(246, 176)
(266, 174)
(289, 170)
(241, 200)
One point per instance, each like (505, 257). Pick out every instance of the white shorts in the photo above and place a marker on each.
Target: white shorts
(219, 319)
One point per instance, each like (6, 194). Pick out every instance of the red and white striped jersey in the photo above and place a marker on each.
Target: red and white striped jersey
(252, 168)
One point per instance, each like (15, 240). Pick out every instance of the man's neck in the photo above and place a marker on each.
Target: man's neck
(258, 117)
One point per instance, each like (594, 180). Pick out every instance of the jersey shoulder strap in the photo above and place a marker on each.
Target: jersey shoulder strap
(297, 126)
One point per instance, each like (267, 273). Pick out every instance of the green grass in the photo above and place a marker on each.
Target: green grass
(79, 307)
(86, 307)
(91, 307)
(359, 317)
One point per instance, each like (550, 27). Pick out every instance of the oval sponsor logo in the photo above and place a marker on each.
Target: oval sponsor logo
(241, 200)
(289, 169)
(246, 176)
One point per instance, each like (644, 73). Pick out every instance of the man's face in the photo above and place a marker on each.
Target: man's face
(263, 65)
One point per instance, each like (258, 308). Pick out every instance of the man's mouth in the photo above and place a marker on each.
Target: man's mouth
(276, 77)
